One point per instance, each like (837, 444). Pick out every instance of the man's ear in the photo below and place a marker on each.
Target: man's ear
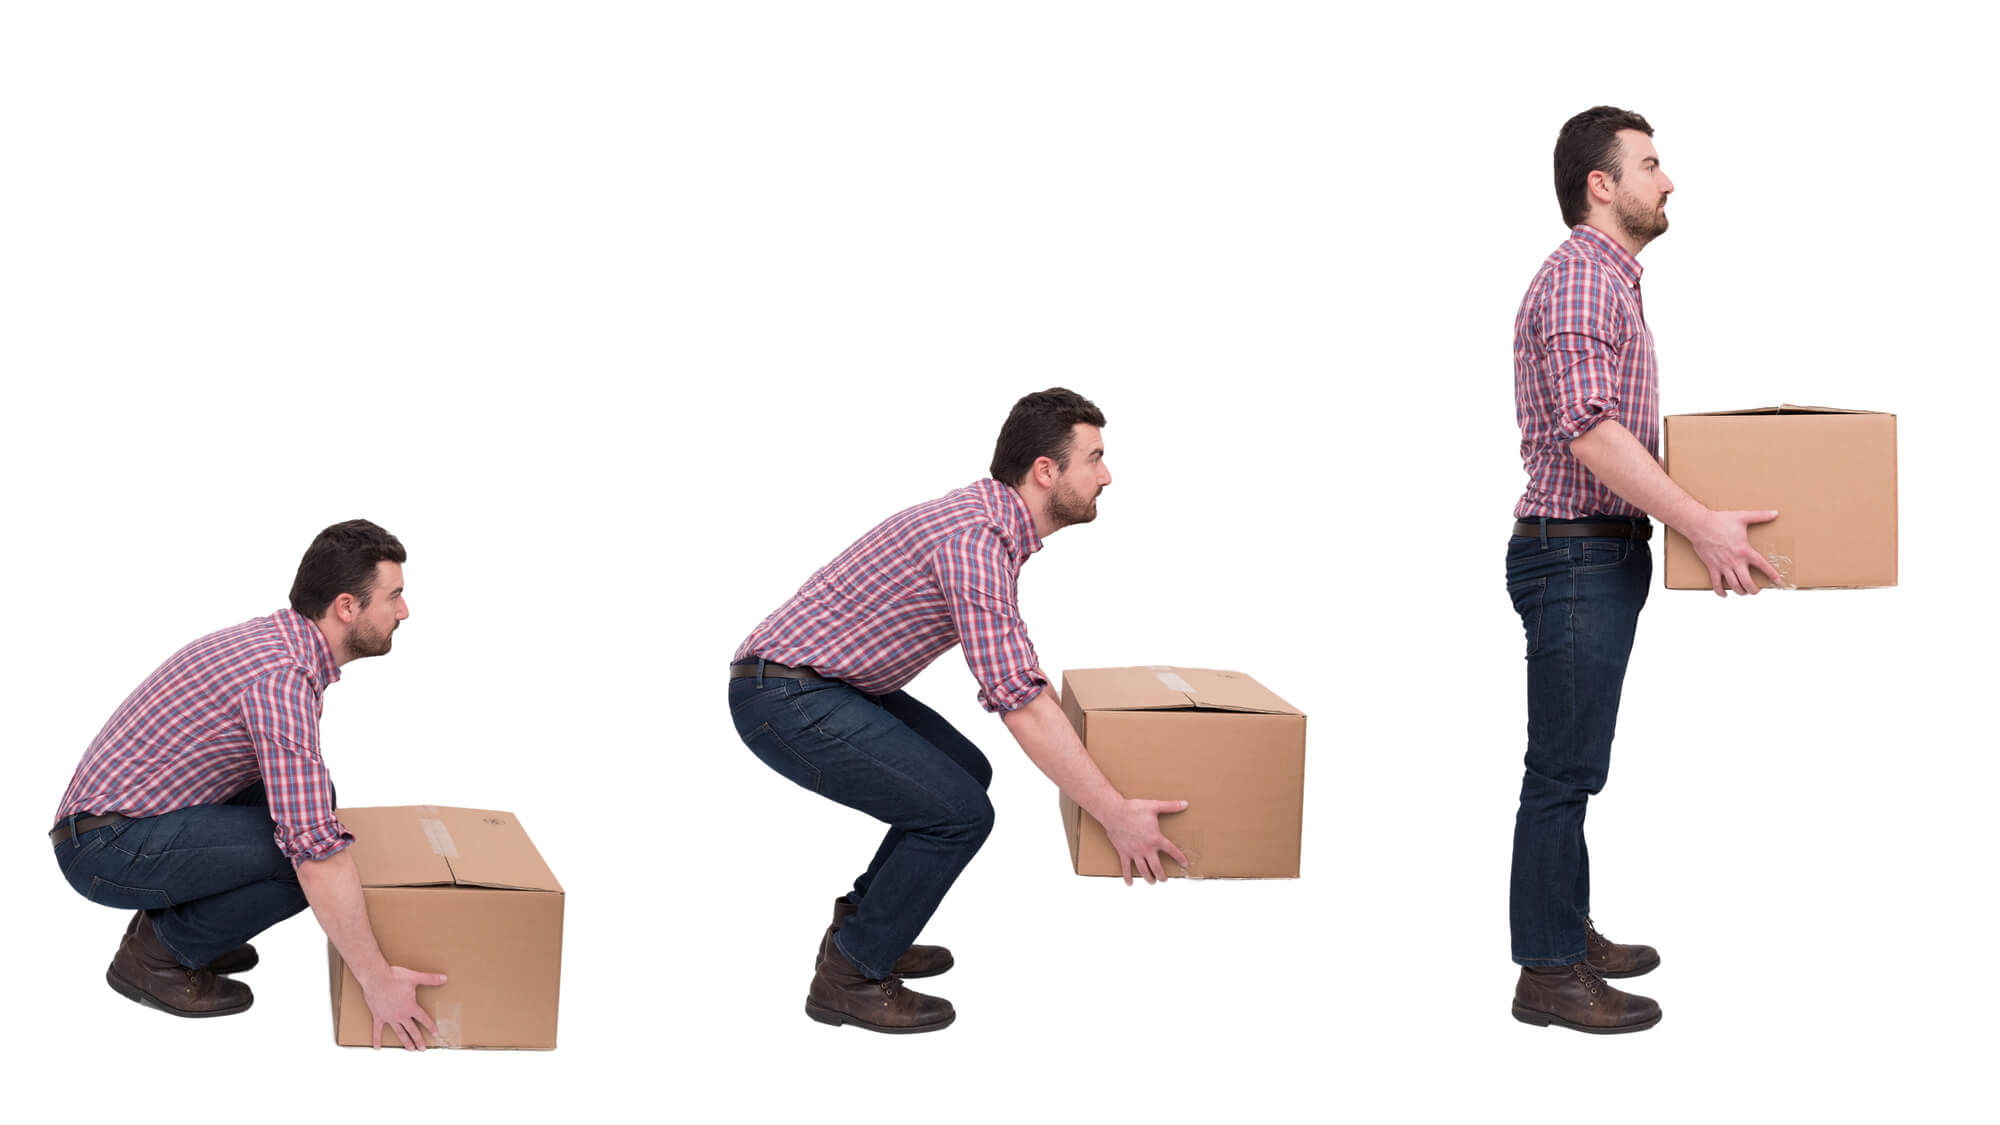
(1600, 186)
(345, 607)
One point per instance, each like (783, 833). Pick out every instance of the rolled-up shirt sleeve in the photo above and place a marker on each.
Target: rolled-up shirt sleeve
(1586, 333)
(977, 577)
(282, 711)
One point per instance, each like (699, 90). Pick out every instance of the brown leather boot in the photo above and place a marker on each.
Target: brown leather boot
(841, 994)
(144, 971)
(916, 961)
(242, 959)
(1613, 960)
(1576, 997)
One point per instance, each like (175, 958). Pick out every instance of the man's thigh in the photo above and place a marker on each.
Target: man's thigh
(830, 738)
(1579, 602)
(151, 863)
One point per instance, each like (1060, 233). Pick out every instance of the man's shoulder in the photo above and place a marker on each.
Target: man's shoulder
(1572, 262)
(249, 650)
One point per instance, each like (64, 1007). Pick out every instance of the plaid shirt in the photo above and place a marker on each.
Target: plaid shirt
(1582, 354)
(225, 711)
(927, 578)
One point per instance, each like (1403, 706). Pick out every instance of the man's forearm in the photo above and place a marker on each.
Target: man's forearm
(1628, 468)
(1051, 743)
(333, 887)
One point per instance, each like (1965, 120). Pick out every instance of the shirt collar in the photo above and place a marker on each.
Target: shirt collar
(1606, 249)
(309, 645)
(1011, 515)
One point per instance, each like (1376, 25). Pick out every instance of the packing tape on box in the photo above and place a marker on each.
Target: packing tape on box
(449, 1015)
(1781, 560)
(440, 837)
(1172, 679)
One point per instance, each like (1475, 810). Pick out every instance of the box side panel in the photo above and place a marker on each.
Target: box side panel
(1243, 777)
(501, 949)
(1832, 478)
(1072, 815)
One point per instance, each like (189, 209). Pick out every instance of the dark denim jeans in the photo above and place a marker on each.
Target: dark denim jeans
(1579, 601)
(211, 875)
(894, 759)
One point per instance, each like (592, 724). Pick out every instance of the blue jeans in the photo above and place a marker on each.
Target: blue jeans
(1579, 601)
(894, 759)
(211, 876)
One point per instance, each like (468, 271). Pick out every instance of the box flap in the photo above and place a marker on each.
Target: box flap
(1787, 408)
(431, 845)
(1162, 687)
(492, 850)
(390, 848)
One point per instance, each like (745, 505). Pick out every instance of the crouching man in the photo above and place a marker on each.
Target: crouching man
(203, 804)
(816, 693)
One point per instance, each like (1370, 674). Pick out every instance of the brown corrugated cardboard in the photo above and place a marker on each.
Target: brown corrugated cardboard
(1219, 740)
(461, 892)
(1830, 473)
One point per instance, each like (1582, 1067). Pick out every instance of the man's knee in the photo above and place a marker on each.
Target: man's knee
(968, 820)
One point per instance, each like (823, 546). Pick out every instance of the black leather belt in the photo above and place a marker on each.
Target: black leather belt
(74, 826)
(1593, 529)
(773, 669)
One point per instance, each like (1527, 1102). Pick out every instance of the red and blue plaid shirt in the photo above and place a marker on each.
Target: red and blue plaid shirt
(927, 578)
(225, 711)
(1582, 354)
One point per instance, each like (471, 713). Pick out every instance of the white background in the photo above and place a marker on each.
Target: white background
(627, 317)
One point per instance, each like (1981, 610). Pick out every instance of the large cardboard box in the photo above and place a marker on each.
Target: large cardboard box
(461, 892)
(1219, 740)
(1830, 473)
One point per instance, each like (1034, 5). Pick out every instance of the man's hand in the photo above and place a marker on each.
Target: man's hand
(1134, 829)
(1133, 826)
(392, 999)
(1721, 541)
(333, 887)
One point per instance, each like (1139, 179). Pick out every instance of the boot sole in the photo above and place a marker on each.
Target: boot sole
(829, 1016)
(1543, 1019)
(141, 996)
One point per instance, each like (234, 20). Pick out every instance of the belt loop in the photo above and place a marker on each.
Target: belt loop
(760, 673)
(1545, 531)
(72, 827)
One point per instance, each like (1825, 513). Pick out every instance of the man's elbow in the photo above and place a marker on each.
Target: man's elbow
(1593, 446)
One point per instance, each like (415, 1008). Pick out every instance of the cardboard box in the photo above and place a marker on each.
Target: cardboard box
(461, 892)
(1830, 473)
(1219, 740)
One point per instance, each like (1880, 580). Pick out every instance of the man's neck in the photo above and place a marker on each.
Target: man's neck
(1613, 230)
(340, 655)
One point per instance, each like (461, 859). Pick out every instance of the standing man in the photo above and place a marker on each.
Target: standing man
(1586, 392)
(815, 691)
(204, 806)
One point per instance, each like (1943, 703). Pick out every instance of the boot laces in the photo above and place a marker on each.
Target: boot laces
(1586, 976)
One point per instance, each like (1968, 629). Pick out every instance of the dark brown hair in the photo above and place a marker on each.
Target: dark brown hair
(1039, 426)
(340, 561)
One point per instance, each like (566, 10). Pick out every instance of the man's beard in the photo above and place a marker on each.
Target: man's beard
(361, 643)
(1067, 506)
(1641, 224)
